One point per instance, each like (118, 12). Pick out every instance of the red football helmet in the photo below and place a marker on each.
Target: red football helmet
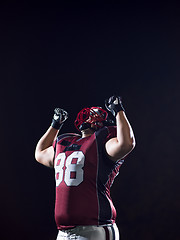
(87, 116)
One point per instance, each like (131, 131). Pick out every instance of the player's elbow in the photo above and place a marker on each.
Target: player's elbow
(130, 144)
(119, 149)
(45, 157)
(37, 156)
(127, 146)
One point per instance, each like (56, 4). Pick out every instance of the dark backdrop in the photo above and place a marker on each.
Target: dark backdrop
(73, 55)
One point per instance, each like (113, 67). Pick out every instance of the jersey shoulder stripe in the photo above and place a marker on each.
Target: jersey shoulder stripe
(65, 135)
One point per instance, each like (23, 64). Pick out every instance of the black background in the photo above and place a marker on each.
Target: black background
(74, 55)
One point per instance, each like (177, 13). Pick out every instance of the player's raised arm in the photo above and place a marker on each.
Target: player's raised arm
(44, 152)
(120, 146)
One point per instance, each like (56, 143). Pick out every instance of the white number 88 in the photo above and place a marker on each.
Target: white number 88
(70, 169)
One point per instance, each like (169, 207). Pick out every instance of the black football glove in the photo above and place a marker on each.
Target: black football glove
(114, 105)
(60, 116)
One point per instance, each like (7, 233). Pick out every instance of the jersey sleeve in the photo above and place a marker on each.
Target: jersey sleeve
(63, 136)
(54, 144)
(112, 132)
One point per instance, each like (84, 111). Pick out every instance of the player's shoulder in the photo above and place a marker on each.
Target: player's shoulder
(106, 132)
(67, 135)
(111, 128)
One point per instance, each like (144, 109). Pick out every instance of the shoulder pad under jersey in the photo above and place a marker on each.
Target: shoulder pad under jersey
(65, 135)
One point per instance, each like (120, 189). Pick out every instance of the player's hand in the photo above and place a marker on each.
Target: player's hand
(114, 105)
(60, 116)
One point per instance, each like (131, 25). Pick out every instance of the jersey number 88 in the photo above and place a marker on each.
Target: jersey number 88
(69, 168)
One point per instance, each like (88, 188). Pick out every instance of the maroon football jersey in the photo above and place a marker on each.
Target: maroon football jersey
(84, 175)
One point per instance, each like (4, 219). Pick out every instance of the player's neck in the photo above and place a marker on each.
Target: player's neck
(87, 132)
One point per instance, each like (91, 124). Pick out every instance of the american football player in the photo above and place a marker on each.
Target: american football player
(86, 165)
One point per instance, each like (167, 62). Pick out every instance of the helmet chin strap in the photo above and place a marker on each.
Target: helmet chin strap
(85, 126)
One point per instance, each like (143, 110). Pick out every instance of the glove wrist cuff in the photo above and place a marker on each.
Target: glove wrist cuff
(56, 124)
(119, 108)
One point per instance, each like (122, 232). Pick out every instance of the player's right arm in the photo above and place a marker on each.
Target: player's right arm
(124, 142)
(44, 152)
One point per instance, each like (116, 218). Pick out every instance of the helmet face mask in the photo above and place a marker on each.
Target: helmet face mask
(93, 118)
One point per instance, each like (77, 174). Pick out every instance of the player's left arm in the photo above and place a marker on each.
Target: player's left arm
(119, 146)
(44, 152)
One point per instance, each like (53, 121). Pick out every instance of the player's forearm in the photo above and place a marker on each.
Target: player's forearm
(47, 139)
(125, 135)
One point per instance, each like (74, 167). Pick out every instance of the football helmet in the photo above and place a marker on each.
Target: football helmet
(94, 118)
